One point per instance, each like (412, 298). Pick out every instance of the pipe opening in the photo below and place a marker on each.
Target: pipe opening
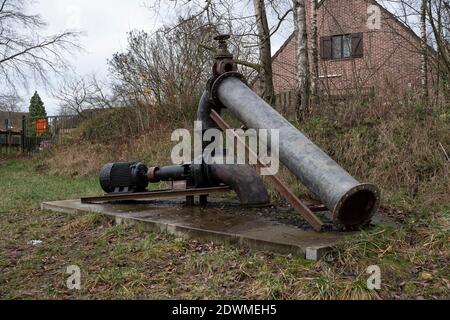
(358, 207)
(229, 67)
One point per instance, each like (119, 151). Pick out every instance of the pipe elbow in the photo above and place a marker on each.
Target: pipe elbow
(244, 180)
(204, 111)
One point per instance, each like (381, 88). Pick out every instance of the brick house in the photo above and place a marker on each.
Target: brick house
(11, 121)
(353, 58)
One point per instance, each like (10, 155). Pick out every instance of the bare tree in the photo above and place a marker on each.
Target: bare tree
(302, 84)
(101, 94)
(265, 52)
(314, 51)
(252, 31)
(439, 20)
(431, 20)
(10, 102)
(24, 52)
(424, 49)
(169, 67)
(74, 96)
(77, 94)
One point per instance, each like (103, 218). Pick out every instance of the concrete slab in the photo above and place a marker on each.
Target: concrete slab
(218, 223)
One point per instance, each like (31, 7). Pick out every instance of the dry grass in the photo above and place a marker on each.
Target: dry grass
(395, 146)
(83, 158)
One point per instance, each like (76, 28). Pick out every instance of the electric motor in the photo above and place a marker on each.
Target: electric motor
(124, 177)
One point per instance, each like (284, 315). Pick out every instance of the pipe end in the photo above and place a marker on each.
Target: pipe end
(358, 206)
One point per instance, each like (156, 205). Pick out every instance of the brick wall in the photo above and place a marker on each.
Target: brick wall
(390, 64)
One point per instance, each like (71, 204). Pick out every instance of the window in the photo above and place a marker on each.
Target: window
(8, 124)
(346, 46)
(342, 46)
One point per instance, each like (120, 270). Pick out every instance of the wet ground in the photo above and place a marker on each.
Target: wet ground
(280, 212)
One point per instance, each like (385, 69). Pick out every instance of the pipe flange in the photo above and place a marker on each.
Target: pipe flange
(341, 218)
(215, 87)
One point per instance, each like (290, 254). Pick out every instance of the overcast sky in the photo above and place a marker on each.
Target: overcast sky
(105, 24)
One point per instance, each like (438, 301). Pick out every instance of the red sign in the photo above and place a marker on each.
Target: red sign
(41, 126)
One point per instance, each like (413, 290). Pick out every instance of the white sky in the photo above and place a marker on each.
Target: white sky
(105, 24)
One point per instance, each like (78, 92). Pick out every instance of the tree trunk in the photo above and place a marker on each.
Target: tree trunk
(302, 86)
(424, 49)
(265, 52)
(314, 52)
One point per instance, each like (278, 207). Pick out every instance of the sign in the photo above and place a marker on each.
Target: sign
(41, 126)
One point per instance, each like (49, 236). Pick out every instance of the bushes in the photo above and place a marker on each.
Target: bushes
(121, 124)
(395, 146)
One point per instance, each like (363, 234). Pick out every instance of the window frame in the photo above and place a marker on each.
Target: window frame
(354, 40)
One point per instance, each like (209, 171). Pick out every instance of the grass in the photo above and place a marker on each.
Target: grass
(122, 262)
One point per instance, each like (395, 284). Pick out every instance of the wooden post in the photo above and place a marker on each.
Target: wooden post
(22, 138)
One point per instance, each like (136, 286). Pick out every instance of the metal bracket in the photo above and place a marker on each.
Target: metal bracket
(162, 194)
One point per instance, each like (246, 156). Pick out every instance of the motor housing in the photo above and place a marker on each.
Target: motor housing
(124, 177)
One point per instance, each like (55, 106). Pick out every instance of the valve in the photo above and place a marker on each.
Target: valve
(224, 59)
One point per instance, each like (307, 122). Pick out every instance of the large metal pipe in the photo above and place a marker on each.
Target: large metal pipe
(352, 203)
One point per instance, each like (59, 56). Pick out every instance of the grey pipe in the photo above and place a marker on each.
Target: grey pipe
(204, 110)
(352, 203)
(244, 180)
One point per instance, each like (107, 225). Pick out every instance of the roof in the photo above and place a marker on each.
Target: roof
(285, 44)
(6, 114)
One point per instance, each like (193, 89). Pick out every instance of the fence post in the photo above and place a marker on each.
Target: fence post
(22, 137)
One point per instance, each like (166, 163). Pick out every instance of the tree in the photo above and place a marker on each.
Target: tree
(10, 102)
(302, 85)
(439, 21)
(251, 32)
(314, 52)
(431, 19)
(37, 108)
(265, 52)
(424, 49)
(74, 95)
(24, 52)
(168, 68)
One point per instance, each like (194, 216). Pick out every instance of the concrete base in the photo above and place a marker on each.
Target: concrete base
(213, 223)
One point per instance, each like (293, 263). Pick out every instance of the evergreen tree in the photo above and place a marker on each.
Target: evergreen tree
(37, 108)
